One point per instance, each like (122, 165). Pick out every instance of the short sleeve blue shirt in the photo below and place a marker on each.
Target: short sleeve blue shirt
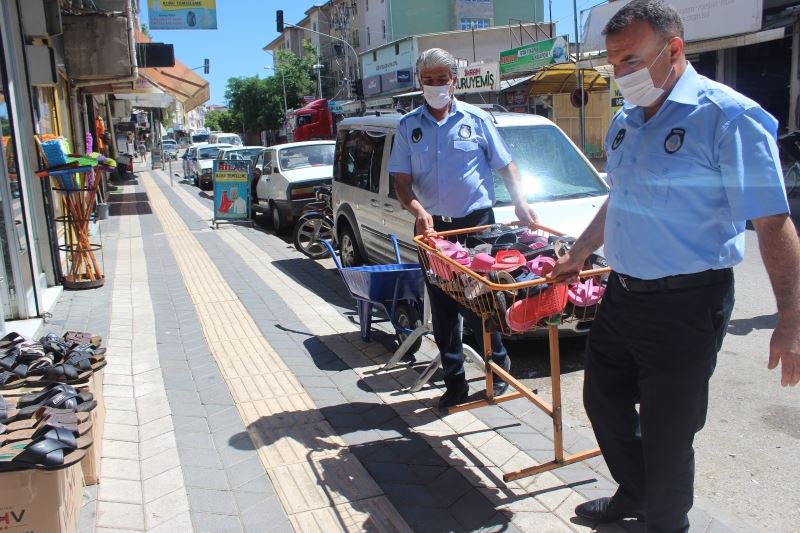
(451, 162)
(684, 183)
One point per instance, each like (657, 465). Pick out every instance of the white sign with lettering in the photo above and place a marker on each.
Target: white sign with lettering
(479, 78)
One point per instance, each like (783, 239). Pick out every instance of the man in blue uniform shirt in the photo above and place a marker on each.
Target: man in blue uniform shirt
(442, 158)
(689, 161)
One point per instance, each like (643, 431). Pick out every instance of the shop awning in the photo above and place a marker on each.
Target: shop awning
(562, 78)
(145, 94)
(513, 82)
(180, 81)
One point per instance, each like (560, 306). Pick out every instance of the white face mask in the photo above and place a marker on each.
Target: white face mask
(437, 96)
(638, 87)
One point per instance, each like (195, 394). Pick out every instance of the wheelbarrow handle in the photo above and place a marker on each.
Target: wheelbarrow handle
(393, 237)
(331, 251)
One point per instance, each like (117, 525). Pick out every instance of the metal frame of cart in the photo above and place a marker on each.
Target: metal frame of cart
(491, 302)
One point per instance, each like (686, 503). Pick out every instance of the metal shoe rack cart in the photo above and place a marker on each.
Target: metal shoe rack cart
(547, 305)
(77, 188)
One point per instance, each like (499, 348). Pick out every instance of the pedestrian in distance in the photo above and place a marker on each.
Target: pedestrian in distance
(443, 155)
(690, 161)
(143, 151)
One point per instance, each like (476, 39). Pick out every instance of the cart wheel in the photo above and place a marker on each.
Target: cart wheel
(406, 316)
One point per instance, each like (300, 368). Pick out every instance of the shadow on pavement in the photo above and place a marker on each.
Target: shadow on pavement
(744, 326)
(430, 493)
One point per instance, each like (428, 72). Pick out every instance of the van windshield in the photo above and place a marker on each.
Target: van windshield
(306, 156)
(550, 166)
(200, 138)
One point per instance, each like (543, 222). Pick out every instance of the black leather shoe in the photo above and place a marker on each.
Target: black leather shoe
(500, 387)
(602, 511)
(454, 395)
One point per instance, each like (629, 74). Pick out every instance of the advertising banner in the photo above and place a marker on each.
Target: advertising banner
(479, 78)
(534, 56)
(371, 85)
(399, 79)
(231, 190)
(182, 14)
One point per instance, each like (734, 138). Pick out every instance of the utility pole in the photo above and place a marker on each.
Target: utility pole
(579, 79)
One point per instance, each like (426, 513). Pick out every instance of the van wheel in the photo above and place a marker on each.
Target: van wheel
(349, 254)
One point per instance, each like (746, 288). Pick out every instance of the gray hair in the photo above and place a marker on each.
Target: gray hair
(436, 57)
(659, 15)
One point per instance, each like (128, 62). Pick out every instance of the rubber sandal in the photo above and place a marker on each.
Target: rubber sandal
(40, 397)
(67, 401)
(83, 337)
(62, 373)
(11, 380)
(85, 359)
(41, 454)
(10, 340)
(59, 417)
(76, 430)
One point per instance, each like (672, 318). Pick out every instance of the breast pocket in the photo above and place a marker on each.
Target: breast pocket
(467, 150)
(667, 173)
(421, 159)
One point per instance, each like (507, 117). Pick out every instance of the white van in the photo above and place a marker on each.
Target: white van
(560, 183)
(225, 138)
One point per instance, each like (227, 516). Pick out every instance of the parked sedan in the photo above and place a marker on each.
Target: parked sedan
(203, 164)
(170, 149)
(188, 162)
(285, 176)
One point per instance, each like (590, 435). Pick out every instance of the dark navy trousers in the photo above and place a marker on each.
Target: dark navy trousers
(658, 350)
(445, 313)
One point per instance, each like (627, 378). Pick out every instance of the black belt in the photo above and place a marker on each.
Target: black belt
(675, 283)
(464, 221)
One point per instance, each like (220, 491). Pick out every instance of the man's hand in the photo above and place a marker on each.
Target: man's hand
(424, 223)
(567, 268)
(784, 347)
(526, 215)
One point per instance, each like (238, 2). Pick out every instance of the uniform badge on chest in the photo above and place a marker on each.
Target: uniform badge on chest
(618, 139)
(416, 135)
(465, 131)
(674, 140)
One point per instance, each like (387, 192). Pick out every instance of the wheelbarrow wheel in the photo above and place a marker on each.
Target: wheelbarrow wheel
(407, 317)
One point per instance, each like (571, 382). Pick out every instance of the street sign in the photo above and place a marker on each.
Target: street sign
(231, 190)
(616, 96)
(308, 99)
(534, 56)
(182, 15)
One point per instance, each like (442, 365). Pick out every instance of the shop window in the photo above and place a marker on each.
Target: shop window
(469, 23)
(360, 159)
(383, 24)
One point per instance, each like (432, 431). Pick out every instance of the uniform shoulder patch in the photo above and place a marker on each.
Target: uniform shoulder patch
(618, 139)
(416, 135)
(465, 131)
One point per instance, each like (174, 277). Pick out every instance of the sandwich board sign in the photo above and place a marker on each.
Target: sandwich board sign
(231, 190)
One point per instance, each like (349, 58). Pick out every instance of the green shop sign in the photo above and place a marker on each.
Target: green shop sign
(534, 56)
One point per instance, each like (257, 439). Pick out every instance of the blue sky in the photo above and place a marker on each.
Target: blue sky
(245, 26)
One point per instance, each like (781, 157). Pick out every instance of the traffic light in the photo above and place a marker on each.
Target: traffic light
(359, 89)
(279, 15)
(205, 66)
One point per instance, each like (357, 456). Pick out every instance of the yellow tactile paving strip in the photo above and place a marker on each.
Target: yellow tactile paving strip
(322, 487)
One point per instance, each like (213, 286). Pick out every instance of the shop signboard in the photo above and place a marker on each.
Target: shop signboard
(701, 20)
(182, 14)
(616, 96)
(478, 78)
(231, 190)
(372, 85)
(390, 58)
(535, 56)
(398, 79)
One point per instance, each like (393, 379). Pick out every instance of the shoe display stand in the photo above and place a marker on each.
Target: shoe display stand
(36, 500)
(77, 188)
(543, 308)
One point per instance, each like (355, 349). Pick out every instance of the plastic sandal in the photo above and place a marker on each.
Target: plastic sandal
(10, 340)
(85, 359)
(62, 373)
(55, 417)
(83, 337)
(40, 397)
(62, 400)
(42, 430)
(11, 380)
(41, 454)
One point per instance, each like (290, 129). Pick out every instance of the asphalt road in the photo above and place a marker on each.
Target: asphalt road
(748, 455)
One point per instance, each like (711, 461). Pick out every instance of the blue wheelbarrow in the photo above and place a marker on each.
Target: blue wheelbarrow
(395, 289)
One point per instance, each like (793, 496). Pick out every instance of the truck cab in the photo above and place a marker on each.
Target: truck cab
(314, 122)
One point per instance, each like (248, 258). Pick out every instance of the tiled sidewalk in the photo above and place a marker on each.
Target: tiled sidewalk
(242, 399)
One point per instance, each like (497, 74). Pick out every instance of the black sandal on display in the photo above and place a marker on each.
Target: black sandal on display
(41, 454)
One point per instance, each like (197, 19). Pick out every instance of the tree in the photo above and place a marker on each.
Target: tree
(145, 30)
(255, 104)
(220, 121)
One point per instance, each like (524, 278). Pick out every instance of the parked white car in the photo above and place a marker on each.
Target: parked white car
(560, 183)
(285, 176)
(225, 138)
(188, 158)
(203, 164)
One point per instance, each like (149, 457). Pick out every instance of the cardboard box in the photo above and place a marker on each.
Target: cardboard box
(35, 501)
(91, 463)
